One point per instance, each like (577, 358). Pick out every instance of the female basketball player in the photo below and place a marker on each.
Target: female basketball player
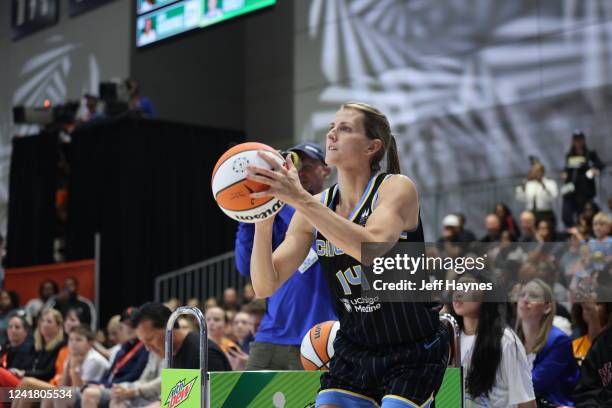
(390, 352)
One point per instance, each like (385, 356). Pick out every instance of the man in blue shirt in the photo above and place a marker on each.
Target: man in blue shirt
(304, 300)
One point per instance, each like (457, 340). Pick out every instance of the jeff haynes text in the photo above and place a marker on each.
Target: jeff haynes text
(449, 285)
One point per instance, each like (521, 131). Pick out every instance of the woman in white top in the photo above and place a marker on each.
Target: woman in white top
(497, 373)
(539, 194)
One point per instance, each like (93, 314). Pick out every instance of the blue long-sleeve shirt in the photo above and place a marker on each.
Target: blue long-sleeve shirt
(555, 372)
(301, 302)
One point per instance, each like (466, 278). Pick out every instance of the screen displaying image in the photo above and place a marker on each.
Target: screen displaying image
(168, 21)
(159, 19)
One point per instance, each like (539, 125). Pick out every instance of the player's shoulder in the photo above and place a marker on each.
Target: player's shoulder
(398, 185)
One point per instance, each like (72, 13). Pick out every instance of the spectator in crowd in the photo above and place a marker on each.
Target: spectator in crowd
(465, 235)
(528, 223)
(194, 302)
(554, 370)
(257, 309)
(89, 109)
(242, 330)
(539, 194)
(112, 344)
(9, 301)
(150, 325)
(230, 300)
(289, 314)
(46, 291)
(69, 298)
(143, 392)
(602, 241)
(127, 366)
(216, 321)
(18, 352)
(210, 302)
(172, 304)
(2, 255)
(138, 103)
(594, 389)
(84, 364)
(493, 227)
(187, 323)
(507, 221)
(48, 340)
(545, 231)
(229, 318)
(582, 165)
(248, 294)
(450, 229)
(590, 319)
(493, 357)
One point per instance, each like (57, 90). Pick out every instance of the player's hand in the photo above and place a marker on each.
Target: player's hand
(284, 182)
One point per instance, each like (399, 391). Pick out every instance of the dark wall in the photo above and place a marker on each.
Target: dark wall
(237, 75)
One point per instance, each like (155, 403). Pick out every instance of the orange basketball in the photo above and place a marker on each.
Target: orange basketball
(318, 345)
(231, 189)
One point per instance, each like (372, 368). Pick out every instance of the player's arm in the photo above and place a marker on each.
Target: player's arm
(270, 270)
(397, 210)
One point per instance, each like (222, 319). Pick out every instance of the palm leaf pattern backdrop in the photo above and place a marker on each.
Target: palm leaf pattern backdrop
(471, 87)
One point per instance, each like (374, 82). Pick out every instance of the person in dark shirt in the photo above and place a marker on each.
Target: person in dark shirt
(18, 352)
(150, 325)
(595, 386)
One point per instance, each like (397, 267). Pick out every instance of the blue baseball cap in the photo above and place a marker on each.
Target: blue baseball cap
(310, 149)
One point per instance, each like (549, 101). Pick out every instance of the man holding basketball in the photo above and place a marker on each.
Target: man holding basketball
(393, 352)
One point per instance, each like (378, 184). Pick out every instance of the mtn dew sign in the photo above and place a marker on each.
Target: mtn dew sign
(181, 388)
(297, 389)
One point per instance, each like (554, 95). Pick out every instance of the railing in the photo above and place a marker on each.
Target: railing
(201, 280)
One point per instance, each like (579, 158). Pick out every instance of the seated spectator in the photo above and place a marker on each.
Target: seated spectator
(465, 235)
(188, 323)
(257, 309)
(495, 363)
(46, 291)
(248, 294)
(210, 302)
(194, 302)
(150, 325)
(48, 340)
(590, 319)
(69, 298)
(9, 301)
(18, 353)
(602, 242)
(242, 330)
(545, 232)
(127, 365)
(528, 223)
(450, 229)
(230, 300)
(111, 346)
(216, 322)
(594, 389)
(554, 370)
(493, 227)
(172, 304)
(507, 220)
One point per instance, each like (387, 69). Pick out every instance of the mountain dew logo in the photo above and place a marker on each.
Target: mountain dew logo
(179, 393)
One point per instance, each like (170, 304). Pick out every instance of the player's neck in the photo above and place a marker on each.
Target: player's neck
(351, 187)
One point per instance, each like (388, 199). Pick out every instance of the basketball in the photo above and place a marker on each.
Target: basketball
(318, 346)
(231, 189)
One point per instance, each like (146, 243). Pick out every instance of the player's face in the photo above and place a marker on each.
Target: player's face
(346, 141)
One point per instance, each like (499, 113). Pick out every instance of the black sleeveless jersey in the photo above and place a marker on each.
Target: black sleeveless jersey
(367, 320)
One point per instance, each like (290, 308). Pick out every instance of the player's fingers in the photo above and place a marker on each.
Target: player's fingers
(266, 156)
(260, 179)
(261, 194)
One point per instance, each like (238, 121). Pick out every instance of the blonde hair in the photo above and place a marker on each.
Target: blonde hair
(546, 323)
(601, 217)
(39, 341)
(114, 323)
(377, 126)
